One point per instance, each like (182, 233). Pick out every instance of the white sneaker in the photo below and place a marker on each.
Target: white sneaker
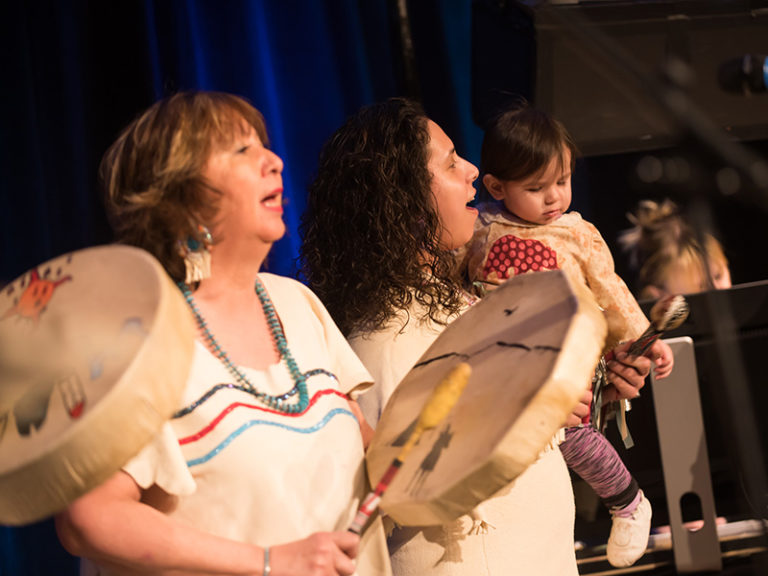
(629, 536)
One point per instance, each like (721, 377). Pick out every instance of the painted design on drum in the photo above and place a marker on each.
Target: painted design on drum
(466, 356)
(308, 430)
(131, 329)
(511, 256)
(430, 461)
(30, 411)
(36, 295)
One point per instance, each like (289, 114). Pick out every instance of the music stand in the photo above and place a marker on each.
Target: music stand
(685, 461)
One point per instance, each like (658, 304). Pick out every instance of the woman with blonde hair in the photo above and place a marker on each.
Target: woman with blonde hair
(667, 254)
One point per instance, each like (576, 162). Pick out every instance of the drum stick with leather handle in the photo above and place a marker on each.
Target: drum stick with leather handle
(440, 402)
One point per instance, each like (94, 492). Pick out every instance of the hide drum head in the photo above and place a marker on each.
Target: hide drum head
(95, 349)
(532, 344)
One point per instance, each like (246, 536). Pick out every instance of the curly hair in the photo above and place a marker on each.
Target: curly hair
(371, 230)
(661, 241)
(522, 141)
(156, 195)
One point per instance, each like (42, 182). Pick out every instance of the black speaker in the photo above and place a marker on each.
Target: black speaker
(598, 66)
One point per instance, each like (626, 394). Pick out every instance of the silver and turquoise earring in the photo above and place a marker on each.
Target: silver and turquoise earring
(196, 252)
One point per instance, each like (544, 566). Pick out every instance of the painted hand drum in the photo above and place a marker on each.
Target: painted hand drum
(95, 349)
(533, 344)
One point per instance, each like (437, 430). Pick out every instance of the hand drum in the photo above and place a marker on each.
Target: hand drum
(532, 344)
(95, 349)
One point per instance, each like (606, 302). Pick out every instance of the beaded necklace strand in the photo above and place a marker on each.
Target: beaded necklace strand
(278, 338)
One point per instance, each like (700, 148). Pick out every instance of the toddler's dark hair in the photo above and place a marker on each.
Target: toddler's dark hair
(522, 141)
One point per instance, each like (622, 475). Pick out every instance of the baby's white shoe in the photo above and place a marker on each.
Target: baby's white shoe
(629, 534)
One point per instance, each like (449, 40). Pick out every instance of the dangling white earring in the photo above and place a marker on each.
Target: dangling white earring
(196, 253)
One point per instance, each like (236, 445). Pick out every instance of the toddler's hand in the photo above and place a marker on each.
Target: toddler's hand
(580, 410)
(663, 360)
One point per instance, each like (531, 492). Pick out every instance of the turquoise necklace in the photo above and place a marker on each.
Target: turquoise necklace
(300, 381)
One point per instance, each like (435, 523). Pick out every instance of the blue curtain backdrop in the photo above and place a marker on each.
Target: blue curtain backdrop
(75, 72)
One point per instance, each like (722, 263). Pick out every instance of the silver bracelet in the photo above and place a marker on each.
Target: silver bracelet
(267, 568)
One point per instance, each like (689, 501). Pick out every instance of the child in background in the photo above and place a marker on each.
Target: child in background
(527, 160)
(668, 256)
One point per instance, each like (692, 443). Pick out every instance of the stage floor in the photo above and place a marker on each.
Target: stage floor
(742, 545)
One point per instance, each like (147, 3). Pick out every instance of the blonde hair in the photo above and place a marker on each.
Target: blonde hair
(661, 243)
(156, 195)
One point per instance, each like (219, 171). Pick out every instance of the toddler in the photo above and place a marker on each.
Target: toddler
(527, 160)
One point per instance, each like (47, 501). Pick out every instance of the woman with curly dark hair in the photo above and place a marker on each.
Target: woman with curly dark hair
(383, 201)
(387, 208)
